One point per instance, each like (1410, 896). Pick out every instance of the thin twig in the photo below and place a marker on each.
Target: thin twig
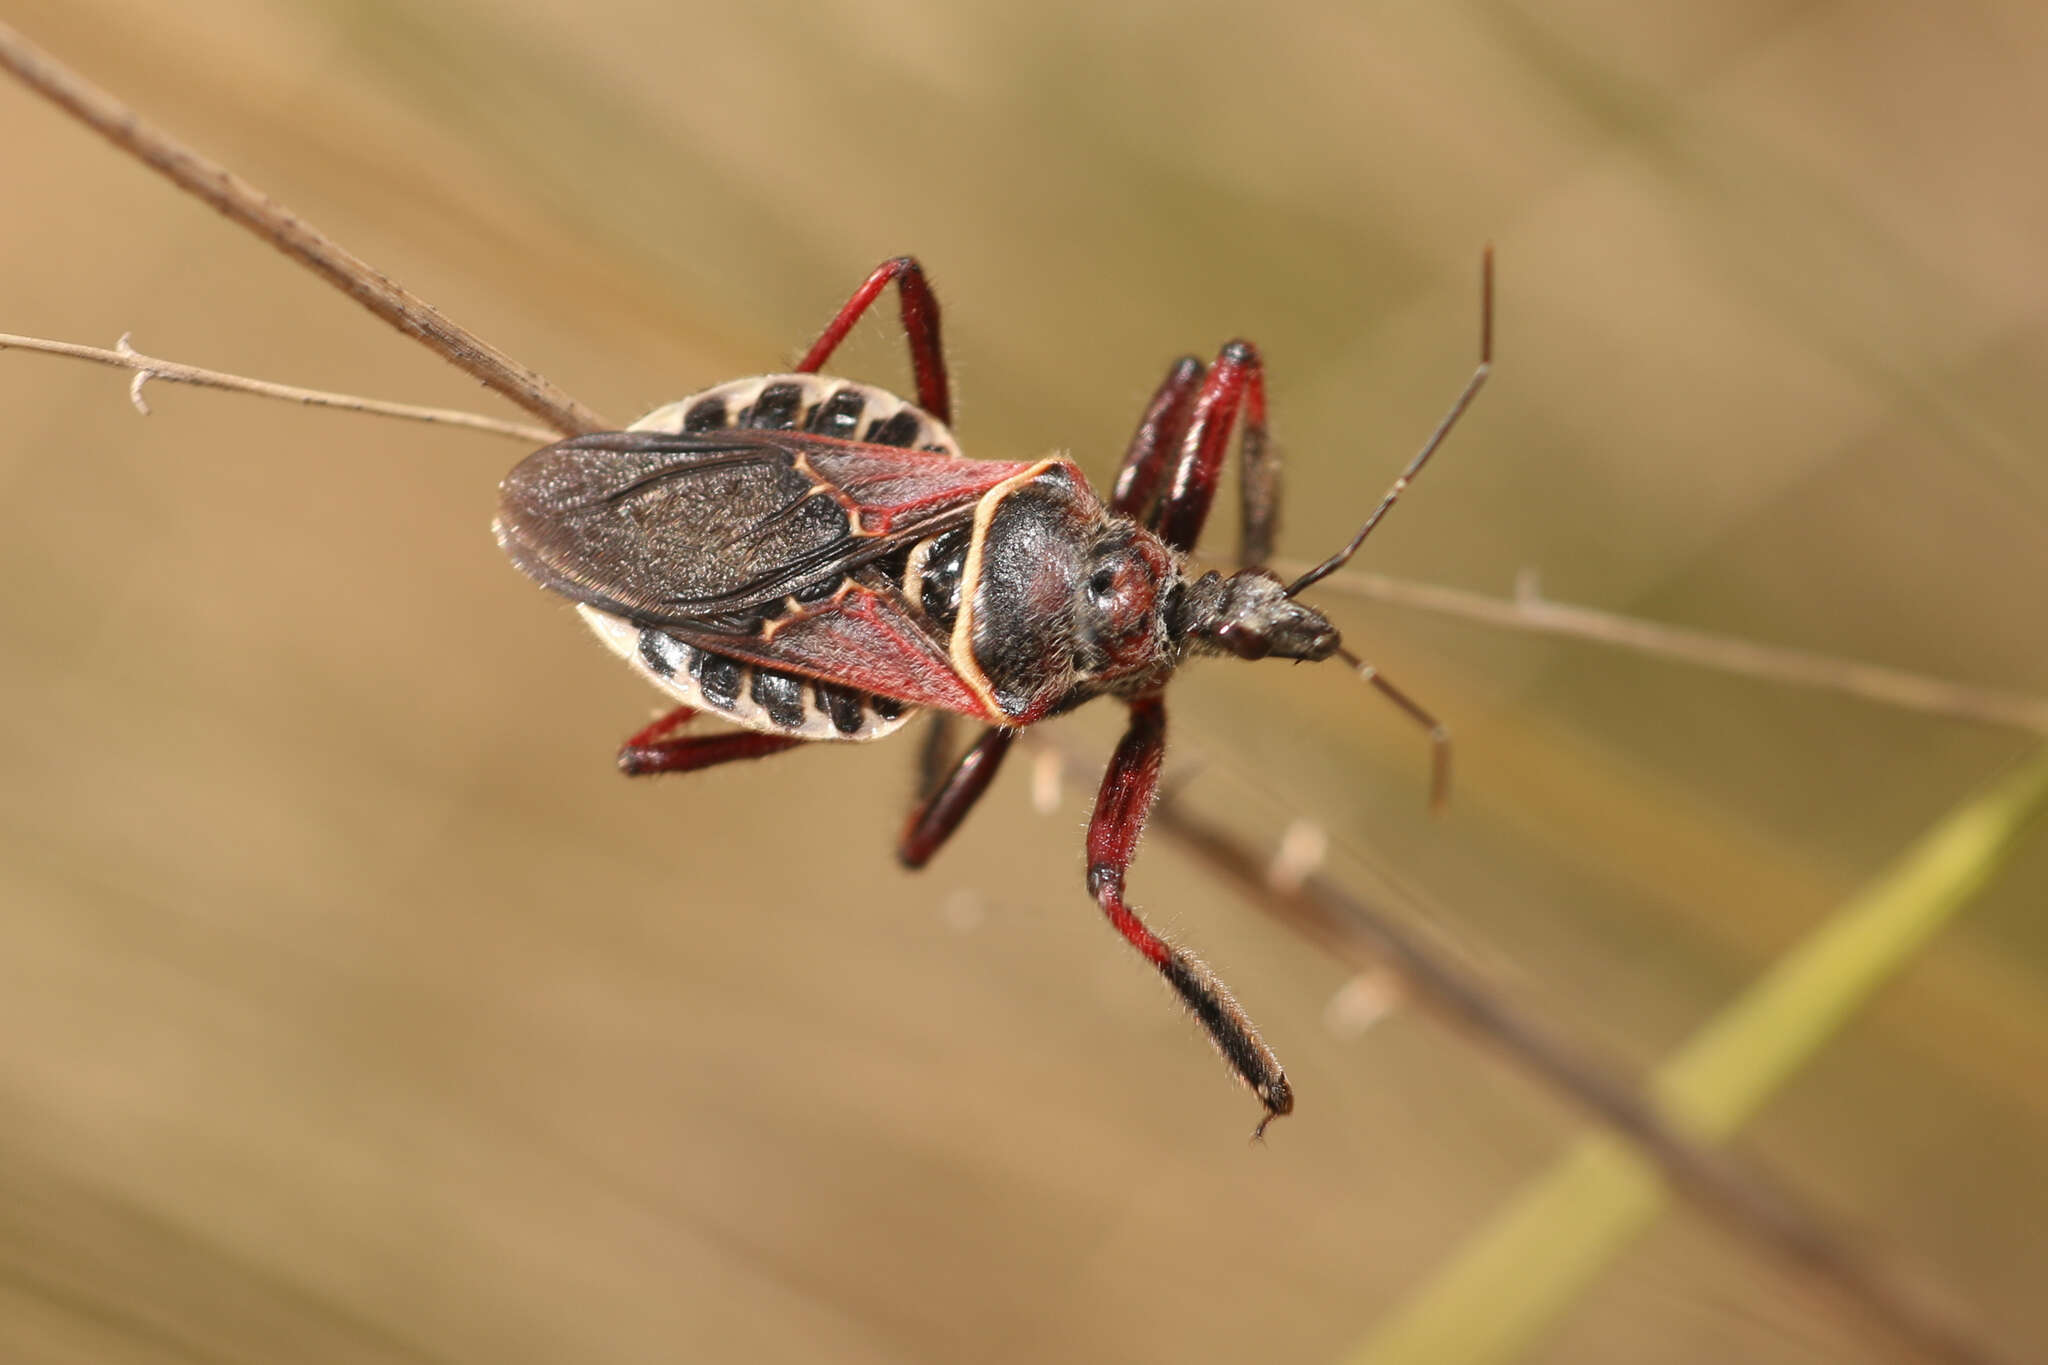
(289, 233)
(1526, 611)
(146, 367)
(1317, 908)
(1739, 1195)
(1529, 611)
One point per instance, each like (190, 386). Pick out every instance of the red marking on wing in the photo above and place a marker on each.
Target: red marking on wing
(865, 639)
(887, 487)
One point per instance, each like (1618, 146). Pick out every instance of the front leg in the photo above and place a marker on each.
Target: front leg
(1156, 442)
(1120, 810)
(1183, 435)
(1234, 386)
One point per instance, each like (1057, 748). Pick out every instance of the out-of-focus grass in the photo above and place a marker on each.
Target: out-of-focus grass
(1533, 1261)
(351, 1006)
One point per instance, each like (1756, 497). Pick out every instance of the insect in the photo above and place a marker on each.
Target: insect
(814, 559)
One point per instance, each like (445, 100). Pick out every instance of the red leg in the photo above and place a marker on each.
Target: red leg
(1259, 506)
(935, 754)
(946, 804)
(662, 728)
(1120, 810)
(1236, 384)
(920, 321)
(1156, 440)
(649, 751)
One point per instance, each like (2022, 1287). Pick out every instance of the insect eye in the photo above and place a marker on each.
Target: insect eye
(1104, 580)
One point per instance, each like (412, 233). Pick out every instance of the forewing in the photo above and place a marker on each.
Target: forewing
(711, 528)
(864, 637)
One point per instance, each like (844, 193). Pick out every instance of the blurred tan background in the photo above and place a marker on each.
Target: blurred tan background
(353, 1008)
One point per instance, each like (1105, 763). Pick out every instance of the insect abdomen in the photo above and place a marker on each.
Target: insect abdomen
(746, 694)
(806, 402)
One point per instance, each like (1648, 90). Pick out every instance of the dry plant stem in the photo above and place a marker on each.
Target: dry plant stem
(1736, 1194)
(1515, 1277)
(1317, 909)
(268, 219)
(1526, 611)
(1529, 611)
(172, 372)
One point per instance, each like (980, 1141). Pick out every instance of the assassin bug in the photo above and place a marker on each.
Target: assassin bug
(814, 559)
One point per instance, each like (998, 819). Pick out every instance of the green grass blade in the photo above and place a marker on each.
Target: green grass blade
(1522, 1272)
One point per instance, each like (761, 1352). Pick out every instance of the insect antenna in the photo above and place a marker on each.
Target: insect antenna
(1436, 438)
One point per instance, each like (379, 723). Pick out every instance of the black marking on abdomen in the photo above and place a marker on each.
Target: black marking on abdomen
(842, 704)
(776, 409)
(900, 430)
(660, 652)
(781, 696)
(888, 708)
(839, 415)
(718, 678)
(708, 415)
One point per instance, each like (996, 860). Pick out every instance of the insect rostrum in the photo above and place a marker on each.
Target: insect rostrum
(814, 559)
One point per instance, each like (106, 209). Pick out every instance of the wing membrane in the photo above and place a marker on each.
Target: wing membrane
(767, 546)
(705, 527)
